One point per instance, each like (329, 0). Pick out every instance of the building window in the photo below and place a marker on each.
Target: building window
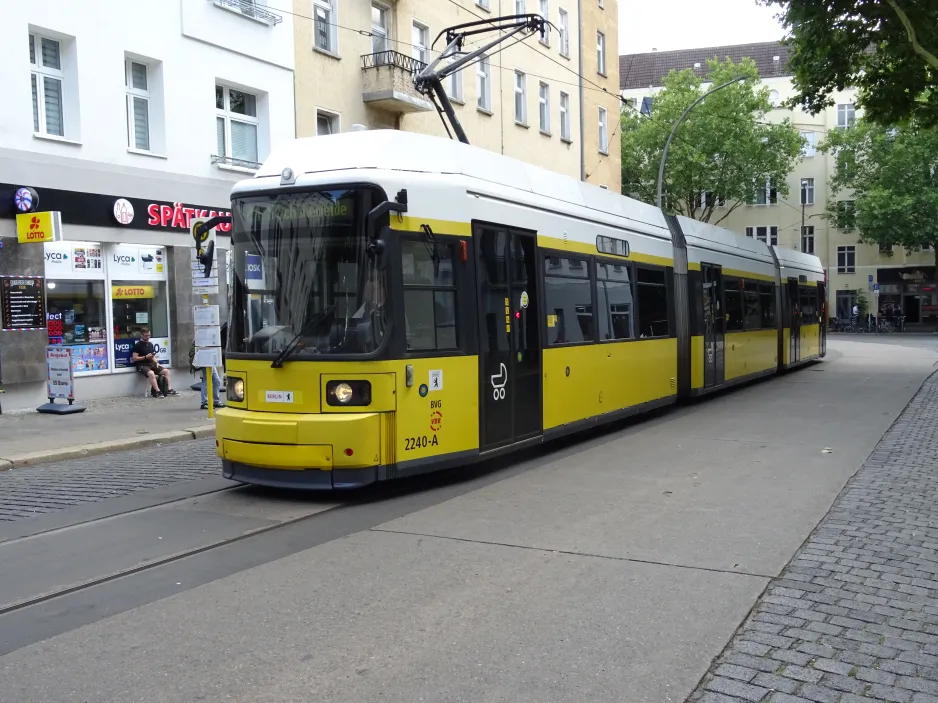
(76, 314)
(568, 300)
(773, 236)
(236, 125)
(47, 77)
(651, 294)
(750, 232)
(564, 26)
(565, 117)
(520, 7)
(603, 133)
(809, 148)
(807, 239)
(767, 195)
(379, 28)
(454, 87)
(846, 259)
(601, 53)
(807, 191)
(429, 296)
(521, 113)
(326, 123)
(708, 198)
(138, 102)
(846, 215)
(545, 13)
(484, 4)
(846, 116)
(484, 85)
(543, 107)
(324, 23)
(602, 4)
(614, 301)
(762, 234)
(421, 39)
(646, 106)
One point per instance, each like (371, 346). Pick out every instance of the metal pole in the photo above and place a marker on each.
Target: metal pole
(804, 194)
(667, 144)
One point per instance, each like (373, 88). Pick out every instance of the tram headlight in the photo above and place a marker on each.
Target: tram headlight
(343, 393)
(356, 393)
(236, 389)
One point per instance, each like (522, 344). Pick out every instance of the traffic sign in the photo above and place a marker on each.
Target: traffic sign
(870, 279)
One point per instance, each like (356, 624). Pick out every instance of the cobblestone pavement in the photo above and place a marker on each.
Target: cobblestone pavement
(854, 616)
(37, 490)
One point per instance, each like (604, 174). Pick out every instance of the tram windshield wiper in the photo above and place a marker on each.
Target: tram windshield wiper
(308, 327)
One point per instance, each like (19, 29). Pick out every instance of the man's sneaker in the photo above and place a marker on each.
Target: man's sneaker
(218, 405)
(154, 394)
(170, 392)
(205, 406)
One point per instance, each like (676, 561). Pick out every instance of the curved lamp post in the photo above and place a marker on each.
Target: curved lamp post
(667, 144)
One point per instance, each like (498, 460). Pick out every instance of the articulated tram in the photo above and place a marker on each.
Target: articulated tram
(403, 303)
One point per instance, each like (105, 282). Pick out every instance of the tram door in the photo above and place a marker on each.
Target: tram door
(714, 323)
(509, 340)
(794, 303)
(822, 316)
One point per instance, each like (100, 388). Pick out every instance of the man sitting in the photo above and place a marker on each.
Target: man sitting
(144, 359)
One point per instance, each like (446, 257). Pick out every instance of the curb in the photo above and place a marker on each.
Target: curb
(81, 451)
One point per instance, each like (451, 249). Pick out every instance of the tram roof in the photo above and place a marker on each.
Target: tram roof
(393, 150)
(791, 258)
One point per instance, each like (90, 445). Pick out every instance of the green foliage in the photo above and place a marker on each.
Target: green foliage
(885, 48)
(863, 304)
(723, 147)
(891, 175)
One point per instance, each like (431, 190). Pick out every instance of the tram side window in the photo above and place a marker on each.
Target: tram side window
(767, 294)
(808, 300)
(753, 305)
(568, 300)
(614, 301)
(651, 294)
(429, 295)
(734, 304)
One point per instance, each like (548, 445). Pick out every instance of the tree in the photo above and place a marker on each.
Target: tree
(893, 176)
(887, 49)
(723, 148)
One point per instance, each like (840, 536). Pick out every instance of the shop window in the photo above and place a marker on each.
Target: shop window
(136, 305)
(429, 295)
(651, 295)
(568, 300)
(77, 317)
(614, 301)
(734, 304)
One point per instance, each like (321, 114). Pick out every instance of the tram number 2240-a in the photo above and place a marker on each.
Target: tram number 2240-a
(411, 443)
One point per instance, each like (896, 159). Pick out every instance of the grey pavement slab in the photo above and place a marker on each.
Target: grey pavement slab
(854, 616)
(402, 618)
(103, 420)
(734, 483)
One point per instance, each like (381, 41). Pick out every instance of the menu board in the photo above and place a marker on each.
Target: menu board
(22, 299)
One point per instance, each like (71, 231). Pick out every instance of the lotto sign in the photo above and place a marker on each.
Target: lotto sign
(61, 379)
(39, 227)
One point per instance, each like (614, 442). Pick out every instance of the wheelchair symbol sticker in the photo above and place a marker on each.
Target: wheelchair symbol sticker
(498, 383)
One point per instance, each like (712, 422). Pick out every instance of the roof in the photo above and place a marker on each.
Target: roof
(643, 70)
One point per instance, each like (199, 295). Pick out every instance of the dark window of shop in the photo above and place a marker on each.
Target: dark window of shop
(752, 306)
(429, 296)
(76, 312)
(568, 300)
(614, 301)
(137, 305)
(733, 292)
(651, 294)
(767, 299)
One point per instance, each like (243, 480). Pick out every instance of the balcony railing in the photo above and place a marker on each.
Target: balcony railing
(249, 8)
(392, 58)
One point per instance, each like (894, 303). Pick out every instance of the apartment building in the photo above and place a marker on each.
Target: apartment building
(892, 277)
(355, 61)
(127, 120)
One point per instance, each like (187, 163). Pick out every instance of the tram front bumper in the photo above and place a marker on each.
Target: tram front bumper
(314, 450)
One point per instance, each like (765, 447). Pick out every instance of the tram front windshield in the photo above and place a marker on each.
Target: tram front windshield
(302, 275)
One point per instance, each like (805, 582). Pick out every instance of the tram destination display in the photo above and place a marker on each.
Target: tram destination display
(22, 301)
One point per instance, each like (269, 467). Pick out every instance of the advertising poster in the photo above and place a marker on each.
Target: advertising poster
(123, 351)
(23, 302)
(60, 381)
(89, 357)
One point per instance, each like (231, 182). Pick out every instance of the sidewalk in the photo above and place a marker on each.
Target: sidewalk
(108, 424)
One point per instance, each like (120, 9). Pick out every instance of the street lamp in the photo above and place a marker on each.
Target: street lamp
(667, 144)
(804, 201)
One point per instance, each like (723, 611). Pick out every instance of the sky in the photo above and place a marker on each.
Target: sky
(686, 24)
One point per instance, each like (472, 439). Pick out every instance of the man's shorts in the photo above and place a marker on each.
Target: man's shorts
(144, 369)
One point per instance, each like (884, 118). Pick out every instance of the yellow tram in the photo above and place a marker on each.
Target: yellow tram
(402, 303)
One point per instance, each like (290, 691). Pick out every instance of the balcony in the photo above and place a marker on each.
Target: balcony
(251, 10)
(388, 78)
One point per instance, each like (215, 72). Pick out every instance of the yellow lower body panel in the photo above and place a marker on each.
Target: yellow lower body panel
(747, 353)
(810, 341)
(696, 362)
(295, 441)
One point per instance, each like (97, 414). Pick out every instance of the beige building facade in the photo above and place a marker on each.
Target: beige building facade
(894, 278)
(355, 61)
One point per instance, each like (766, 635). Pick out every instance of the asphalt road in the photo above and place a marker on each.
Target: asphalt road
(613, 568)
